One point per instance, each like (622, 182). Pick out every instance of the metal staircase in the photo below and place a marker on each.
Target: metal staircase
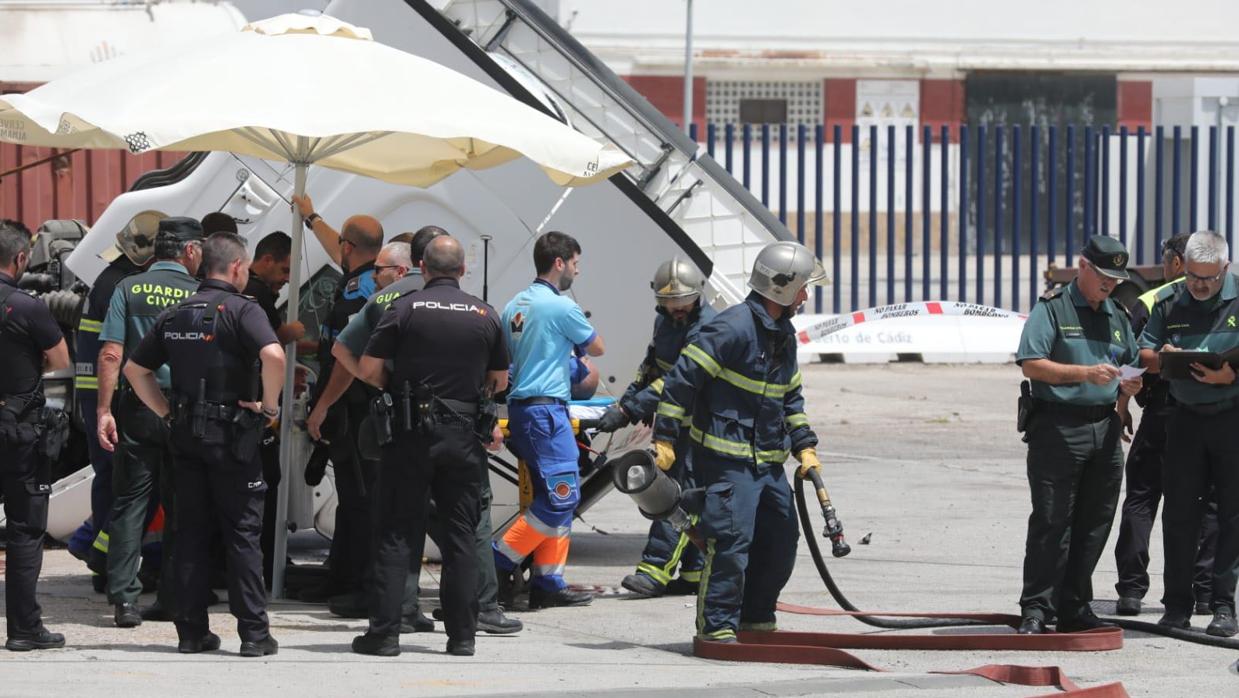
(719, 216)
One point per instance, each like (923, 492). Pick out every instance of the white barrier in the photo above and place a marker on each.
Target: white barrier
(931, 331)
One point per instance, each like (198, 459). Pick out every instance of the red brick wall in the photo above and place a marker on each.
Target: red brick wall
(666, 93)
(839, 107)
(1135, 104)
(942, 104)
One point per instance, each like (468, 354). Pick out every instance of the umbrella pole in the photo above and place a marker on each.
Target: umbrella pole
(280, 552)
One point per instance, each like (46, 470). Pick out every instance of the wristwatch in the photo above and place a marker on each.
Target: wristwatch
(272, 413)
(309, 220)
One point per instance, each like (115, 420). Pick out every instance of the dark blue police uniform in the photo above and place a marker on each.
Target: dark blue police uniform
(211, 344)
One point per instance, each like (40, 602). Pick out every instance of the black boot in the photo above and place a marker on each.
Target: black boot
(540, 598)
(417, 622)
(377, 645)
(259, 648)
(644, 586)
(206, 643)
(495, 623)
(41, 639)
(127, 615)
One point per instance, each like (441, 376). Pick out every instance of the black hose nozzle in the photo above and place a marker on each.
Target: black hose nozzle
(834, 528)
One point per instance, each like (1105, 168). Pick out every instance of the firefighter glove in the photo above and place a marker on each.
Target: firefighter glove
(614, 418)
(808, 461)
(664, 455)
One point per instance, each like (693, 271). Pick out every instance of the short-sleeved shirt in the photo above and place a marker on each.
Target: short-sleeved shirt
(137, 302)
(86, 342)
(542, 326)
(357, 333)
(1065, 329)
(1209, 325)
(258, 289)
(191, 350)
(351, 295)
(441, 337)
(27, 329)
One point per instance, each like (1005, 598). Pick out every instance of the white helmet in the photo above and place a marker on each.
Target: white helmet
(782, 269)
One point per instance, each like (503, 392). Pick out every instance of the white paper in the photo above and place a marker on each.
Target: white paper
(1129, 372)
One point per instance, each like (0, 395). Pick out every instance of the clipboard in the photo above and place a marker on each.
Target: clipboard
(1177, 365)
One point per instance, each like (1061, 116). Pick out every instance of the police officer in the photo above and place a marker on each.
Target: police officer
(31, 342)
(142, 472)
(1144, 466)
(738, 386)
(212, 343)
(677, 287)
(450, 355)
(1071, 349)
(135, 243)
(354, 248)
(1199, 313)
(542, 327)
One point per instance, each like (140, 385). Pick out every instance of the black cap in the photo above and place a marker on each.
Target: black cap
(1108, 255)
(181, 229)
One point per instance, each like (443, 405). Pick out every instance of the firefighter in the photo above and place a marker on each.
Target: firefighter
(135, 243)
(736, 390)
(677, 287)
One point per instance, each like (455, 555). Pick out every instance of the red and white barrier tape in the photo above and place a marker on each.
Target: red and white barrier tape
(818, 330)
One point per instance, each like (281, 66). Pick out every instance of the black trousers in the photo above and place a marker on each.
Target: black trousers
(349, 558)
(445, 463)
(218, 494)
(1075, 469)
(26, 489)
(1145, 461)
(1206, 457)
(270, 454)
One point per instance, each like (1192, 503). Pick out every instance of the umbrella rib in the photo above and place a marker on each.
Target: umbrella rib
(294, 154)
(352, 141)
(252, 135)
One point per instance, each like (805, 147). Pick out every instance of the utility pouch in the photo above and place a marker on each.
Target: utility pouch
(246, 434)
(18, 427)
(423, 401)
(487, 419)
(381, 409)
(54, 437)
(1025, 407)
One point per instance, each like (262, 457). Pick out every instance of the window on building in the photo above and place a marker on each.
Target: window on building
(759, 102)
(763, 111)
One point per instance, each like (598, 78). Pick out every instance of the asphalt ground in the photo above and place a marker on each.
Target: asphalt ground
(924, 458)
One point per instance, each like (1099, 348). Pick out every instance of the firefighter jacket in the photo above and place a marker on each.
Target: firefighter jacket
(641, 399)
(740, 383)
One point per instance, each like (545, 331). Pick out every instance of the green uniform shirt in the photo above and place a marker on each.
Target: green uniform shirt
(1065, 329)
(1187, 323)
(356, 334)
(137, 302)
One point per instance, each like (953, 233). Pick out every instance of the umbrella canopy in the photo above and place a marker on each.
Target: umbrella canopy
(363, 107)
(339, 99)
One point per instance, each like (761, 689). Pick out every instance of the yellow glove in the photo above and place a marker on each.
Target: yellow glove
(808, 461)
(664, 455)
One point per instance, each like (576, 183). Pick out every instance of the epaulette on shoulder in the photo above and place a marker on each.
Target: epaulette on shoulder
(1169, 291)
(1053, 293)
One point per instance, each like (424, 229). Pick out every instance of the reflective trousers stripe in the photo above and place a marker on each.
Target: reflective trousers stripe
(101, 542)
(529, 536)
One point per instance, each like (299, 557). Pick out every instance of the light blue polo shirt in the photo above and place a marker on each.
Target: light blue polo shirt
(541, 327)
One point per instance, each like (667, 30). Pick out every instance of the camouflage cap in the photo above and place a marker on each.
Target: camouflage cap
(137, 239)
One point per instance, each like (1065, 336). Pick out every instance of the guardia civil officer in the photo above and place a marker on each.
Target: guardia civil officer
(450, 355)
(543, 328)
(135, 244)
(1145, 461)
(677, 287)
(213, 343)
(31, 342)
(1071, 350)
(354, 248)
(736, 390)
(142, 470)
(1199, 313)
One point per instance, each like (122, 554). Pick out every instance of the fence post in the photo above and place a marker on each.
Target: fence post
(927, 140)
(800, 172)
(692, 131)
(783, 173)
(1176, 221)
(710, 128)
(873, 216)
(765, 165)
(819, 191)
(1192, 190)
(1051, 198)
(1213, 177)
(1069, 233)
(1016, 195)
(1034, 183)
(1140, 195)
(1090, 187)
(729, 133)
(855, 279)
(963, 213)
(979, 236)
(998, 201)
(746, 132)
(890, 214)
(1159, 139)
(837, 221)
(944, 212)
(908, 144)
(1104, 156)
(1230, 184)
(1123, 187)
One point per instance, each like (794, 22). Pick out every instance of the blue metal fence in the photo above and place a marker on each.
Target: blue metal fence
(994, 204)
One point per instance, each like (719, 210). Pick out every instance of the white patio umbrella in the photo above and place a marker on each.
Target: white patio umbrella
(338, 99)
